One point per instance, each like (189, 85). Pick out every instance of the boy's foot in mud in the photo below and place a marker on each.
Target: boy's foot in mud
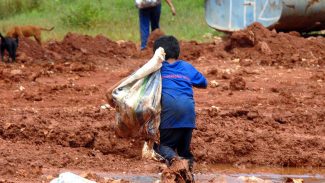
(177, 172)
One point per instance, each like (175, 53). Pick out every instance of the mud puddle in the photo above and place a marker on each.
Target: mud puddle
(228, 174)
(220, 177)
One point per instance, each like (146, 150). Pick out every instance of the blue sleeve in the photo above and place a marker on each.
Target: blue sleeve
(197, 79)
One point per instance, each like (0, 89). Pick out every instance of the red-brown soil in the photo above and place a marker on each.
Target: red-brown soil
(269, 107)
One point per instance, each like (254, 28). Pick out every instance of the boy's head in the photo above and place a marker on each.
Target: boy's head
(170, 45)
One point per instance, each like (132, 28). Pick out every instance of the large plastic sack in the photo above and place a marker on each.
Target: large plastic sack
(137, 100)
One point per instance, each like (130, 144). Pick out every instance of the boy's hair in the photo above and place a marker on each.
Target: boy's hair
(170, 45)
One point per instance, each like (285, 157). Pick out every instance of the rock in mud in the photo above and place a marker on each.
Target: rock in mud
(226, 75)
(214, 84)
(264, 47)
(292, 180)
(251, 115)
(16, 72)
(213, 111)
(252, 180)
(246, 62)
(212, 71)
(35, 75)
(238, 83)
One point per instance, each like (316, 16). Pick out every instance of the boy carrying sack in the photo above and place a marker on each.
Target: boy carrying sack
(175, 118)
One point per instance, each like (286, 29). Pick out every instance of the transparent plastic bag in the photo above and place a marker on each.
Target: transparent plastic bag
(137, 100)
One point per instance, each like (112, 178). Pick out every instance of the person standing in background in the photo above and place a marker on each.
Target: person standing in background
(149, 14)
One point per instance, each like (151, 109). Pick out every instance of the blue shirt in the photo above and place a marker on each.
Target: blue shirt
(178, 107)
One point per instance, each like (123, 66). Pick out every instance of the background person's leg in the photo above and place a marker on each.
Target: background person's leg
(155, 17)
(144, 21)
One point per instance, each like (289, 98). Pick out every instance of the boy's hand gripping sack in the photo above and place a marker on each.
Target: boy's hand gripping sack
(137, 100)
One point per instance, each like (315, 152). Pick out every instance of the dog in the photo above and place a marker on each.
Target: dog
(9, 44)
(27, 31)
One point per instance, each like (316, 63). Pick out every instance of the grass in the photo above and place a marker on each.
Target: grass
(116, 19)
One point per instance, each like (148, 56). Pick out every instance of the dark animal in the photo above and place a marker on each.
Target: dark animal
(9, 44)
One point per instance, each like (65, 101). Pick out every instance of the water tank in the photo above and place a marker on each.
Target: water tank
(283, 15)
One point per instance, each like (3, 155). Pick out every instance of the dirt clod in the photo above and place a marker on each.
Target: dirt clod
(238, 83)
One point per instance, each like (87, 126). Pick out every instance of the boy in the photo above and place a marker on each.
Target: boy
(178, 110)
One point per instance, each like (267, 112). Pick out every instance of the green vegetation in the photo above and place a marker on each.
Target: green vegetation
(85, 15)
(11, 7)
(116, 19)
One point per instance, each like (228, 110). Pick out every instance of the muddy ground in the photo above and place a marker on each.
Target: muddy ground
(266, 106)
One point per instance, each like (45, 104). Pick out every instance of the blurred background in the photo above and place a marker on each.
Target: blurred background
(116, 19)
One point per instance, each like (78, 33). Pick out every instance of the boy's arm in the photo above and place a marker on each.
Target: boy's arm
(170, 4)
(197, 78)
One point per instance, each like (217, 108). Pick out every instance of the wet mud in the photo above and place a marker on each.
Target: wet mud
(267, 108)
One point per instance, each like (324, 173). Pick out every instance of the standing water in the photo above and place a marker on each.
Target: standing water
(228, 174)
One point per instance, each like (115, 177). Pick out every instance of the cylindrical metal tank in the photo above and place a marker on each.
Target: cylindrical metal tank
(284, 15)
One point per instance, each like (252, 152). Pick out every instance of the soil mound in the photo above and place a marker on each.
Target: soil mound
(75, 47)
(256, 43)
(80, 46)
(153, 36)
(249, 37)
(29, 48)
(271, 48)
